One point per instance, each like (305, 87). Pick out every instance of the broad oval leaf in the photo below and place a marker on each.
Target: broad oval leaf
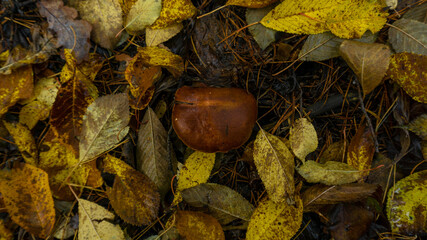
(303, 138)
(225, 204)
(272, 220)
(406, 204)
(262, 35)
(408, 35)
(104, 125)
(154, 37)
(275, 165)
(329, 173)
(174, 11)
(418, 13)
(361, 150)
(134, 196)
(28, 200)
(142, 14)
(156, 56)
(197, 170)
(196, 225)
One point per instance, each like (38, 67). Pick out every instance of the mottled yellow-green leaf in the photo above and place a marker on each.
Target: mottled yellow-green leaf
(24, 140)
(361, 150)
(154, 37)
(32, 113)
(141, 15)
(410, 72)
(251, 3)
(174, 11)
(272, 220)
(197, 170)
(28, 199)
(419, 126)
(303, 138)
(407, 205)
(329, 173)
(156, 56)
(344, 18)
(95, 222)
(197, 225)
(275, 165)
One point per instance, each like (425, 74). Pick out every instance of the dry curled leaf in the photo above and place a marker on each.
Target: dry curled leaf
(329, 173)
(303, 138)
(361, 150)
(174, 11)
(196, 225)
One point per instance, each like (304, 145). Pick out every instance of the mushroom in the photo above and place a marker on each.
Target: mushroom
(212, 119)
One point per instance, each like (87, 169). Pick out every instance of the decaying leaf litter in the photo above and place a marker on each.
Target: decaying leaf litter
(87, 105)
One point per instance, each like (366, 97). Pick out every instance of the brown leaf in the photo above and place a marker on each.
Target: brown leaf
(361, 150)
(133, 196)
(196, 225)
(351, 222)
(28, 199)
(69, 31)
(369, 61)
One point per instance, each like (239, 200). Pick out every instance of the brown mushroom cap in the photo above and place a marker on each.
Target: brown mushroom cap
(211, 119)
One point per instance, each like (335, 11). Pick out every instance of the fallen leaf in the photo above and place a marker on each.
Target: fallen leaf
(224, 203)
(156, 56)
(324, 46)
(72, 34)
(303, 138)
(406, 205)
(408, 35)
(154, 37)
(344, 18)
(262, 35)
(251, 3)
(105, 18)
(350, 221)
(408, 70)
(337, 152)
(15, 86)
(5, 233)
(196, 225)
(134, 196)
(24, 140)
(152, 153)
(361, 150)
(174, 11)
(95, 223)
(104, 125)
(272, 220)
(275, 165)
(417, 13)
(28, 200)
(65, 229)
(329, 173)
(142, 14)
(419, 126)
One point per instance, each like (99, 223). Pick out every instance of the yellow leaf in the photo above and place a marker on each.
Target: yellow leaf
(156, 56)
(409, 71)
(303, 138)
(24, 141)
(361, 150)
(174, 11)
(5, 233)
(18, 85)
(95, 223)
(407, 205)
(329, 173)
(32, 113)
(28, 199)
(251, 3)
(369, 61)
(272, 220)
(142, 14)
(133, 196)
(335, 152)
(196, 225)
(344, 18)
(154, 37)
(197, 170)
(419, 126)
(275, 165)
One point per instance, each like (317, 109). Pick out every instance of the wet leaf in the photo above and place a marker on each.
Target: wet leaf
(406, 205)
(303, 138)
(262, 35)
(18, 85)
(275, 165)
(272, 220)
(344, 18)
(352, 221)
(361, 150)
(408, 36)
(72, 34)
(105, 18)
(24, 140)
(369, 61)
(329, 173)
(134, 196)
(318, 195)
(174, 11)
(73, 98)
(28, 200)
(142, 14)
(251, 3)
(104, 125)
(418, 13)
(95, 223)
(419, 126)
(409, 71)
(196, 225)
(156, 56)
(335, 152)
(324, 46)
(154, 37)
(224, 203)
(152, 153)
